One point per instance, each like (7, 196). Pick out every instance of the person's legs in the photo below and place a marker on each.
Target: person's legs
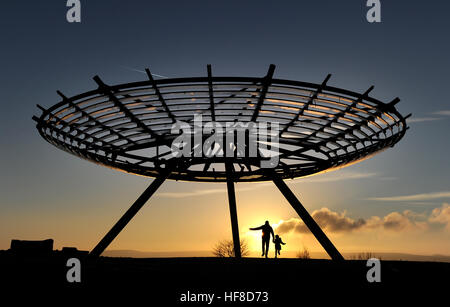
(263, 252)
(267, 247)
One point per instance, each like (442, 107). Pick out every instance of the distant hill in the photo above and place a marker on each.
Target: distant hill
(284, 254)
(140, 254)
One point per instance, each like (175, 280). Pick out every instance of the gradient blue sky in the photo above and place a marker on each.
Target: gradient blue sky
(48, 193)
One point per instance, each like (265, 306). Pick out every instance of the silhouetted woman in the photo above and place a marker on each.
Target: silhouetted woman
(266, 231)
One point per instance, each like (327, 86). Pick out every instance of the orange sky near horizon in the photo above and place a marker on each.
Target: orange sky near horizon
(195, 216)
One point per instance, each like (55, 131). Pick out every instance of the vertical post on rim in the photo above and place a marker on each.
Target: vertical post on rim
(131, 212)
(307, 219)
(233, 212)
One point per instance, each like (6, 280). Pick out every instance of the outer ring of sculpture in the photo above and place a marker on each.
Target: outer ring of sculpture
(348, 128)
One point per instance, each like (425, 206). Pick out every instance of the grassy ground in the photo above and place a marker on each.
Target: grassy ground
(167, 279)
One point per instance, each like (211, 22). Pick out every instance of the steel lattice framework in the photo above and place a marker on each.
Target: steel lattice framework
(129, 127)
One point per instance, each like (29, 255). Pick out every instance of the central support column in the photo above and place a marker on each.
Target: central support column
(233, 212)
(131, 212)
(307, 219)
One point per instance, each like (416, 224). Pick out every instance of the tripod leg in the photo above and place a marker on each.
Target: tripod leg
(307, 219)
(131, 212)
(233, 211)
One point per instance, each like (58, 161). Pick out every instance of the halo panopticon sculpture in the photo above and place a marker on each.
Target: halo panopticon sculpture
(152, 128)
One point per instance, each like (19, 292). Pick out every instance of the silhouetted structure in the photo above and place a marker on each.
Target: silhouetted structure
(27, 247)
(74, 252)
(129, 127)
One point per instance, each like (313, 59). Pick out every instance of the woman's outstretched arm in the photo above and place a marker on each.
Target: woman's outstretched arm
(257, 228)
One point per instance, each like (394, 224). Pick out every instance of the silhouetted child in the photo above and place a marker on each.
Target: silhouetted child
(278, 243)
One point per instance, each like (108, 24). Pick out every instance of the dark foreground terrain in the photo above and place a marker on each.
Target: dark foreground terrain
(166, 281)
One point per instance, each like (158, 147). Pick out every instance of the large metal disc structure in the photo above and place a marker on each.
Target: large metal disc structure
(130, 127)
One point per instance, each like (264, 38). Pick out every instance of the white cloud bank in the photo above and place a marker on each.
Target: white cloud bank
(336, 222)
(414, 197)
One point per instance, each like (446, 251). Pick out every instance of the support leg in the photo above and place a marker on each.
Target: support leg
(233, 212)
(307, 219)
(131, 212)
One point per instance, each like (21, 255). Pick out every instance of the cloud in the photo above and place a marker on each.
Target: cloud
(438, 115)
(327, 220)
(422, 119)
(142, 71)
(339, 177)
(289, 225)
(211, 191)
(442, 112)
(335, 222)
(441, 216)
(396, 221)
(414, 197)
(191, 193)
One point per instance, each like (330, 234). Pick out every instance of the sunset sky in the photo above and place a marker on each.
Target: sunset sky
(397, 201)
